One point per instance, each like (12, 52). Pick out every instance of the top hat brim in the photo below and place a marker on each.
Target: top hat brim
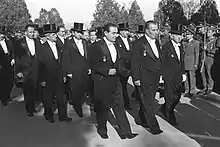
(175, 32)
(140, 32)
(124, 29)
(2, 32)
(77, 30)
(50, 31)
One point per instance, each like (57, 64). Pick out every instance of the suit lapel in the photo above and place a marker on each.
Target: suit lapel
(173, 51)
(148, 49)
(105, 51)
(1, 49)
(85, 48)
(25, 46)
(74, 44)
(50, 50)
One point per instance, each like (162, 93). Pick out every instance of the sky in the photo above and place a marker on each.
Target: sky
(81, 10)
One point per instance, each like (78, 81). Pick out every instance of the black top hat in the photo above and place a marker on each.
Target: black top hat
(77, 27)
(123, 26)
(2, 29)
(141, 29)
(49, 28)
(41, 32)
(99, 32)
(36, 26)
(176, 29)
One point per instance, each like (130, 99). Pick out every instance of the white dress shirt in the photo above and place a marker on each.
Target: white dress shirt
(61, 38)
(153, 45)
(79, 45)
(31, 45)
(112, 49)
(4, 46)
(125, 40)
(53, 48)
(177, 49)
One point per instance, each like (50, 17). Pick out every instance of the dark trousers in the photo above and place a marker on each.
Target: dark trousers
(119, 111)
(78, 90)
(50, 93)
(146, 113)
(172, 97)
(31, 94)
(117, 104)
(6, 85)
(124, 81)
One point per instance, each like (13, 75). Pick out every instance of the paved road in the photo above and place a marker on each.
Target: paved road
(198, 119)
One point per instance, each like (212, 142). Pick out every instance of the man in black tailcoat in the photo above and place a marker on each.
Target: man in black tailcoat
(51, 76)
(107, 87)
(146, 66)
(76, 67)
(26, 67)
(124, 45)
(6, 66)
(173, 72)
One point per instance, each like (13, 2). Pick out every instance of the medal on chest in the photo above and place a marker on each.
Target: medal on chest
(145, 53)
(104, 59)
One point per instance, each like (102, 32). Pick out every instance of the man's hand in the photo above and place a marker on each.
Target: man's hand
(70, 75)
(183, 77)
(64, 79)
(161, 80)
(12, 62)
(89, 71)
(43, 84)
(196, 67)
(20, 75)
(137, 83)
(112, 71)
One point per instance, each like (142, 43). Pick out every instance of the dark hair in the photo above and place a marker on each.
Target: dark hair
(108, 26)
(58, 28)
(147, 24)
(92, 30)
(29, 25)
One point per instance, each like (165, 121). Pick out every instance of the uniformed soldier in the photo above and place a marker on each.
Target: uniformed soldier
(191, 59)
(208, 58)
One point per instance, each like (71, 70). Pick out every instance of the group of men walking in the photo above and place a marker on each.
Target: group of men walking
(54, 68)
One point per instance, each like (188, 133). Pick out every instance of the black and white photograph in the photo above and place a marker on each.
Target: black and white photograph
(109, 73)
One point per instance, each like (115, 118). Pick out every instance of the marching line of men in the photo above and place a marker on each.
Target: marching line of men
(70, 69)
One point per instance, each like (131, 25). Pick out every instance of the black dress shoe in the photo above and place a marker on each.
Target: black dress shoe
(79, 111)
(34, 111)
(103, 135)
(173, 123)
(67, 119)
(30, 114)
(208, 91)
(50, 120)
(132, 135)
(128, 107)
(188, 95)
(128, 136)
(156, 132)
